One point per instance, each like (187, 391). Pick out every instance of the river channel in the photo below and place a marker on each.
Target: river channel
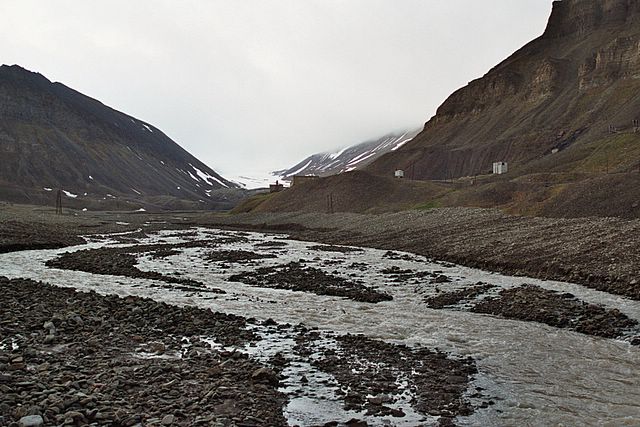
(535, 374)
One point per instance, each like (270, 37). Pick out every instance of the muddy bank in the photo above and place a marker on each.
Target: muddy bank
(600, 253)
(79, 358)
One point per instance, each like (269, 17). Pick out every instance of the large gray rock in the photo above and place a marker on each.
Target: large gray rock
(31, 421)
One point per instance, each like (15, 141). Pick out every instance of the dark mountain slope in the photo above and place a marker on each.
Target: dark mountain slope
(560, 111)
(52, 137)
(561, 91)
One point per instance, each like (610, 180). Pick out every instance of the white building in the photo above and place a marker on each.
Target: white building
(500, 167)
(399, 173)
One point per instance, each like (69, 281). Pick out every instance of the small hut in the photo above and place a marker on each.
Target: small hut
(399, 173)
(500, 168)
(276, 188)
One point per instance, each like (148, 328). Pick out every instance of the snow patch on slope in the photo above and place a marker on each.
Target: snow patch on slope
(349, 158)
(300, 169)
(252, 181)
(207, 178)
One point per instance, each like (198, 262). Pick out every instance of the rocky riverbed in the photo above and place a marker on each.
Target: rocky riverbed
(297, 277)
(596, 252)
(77, 358)
(438, 348)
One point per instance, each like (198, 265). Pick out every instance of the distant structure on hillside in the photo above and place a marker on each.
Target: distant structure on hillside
(301, 179)
(500, 168)
(276, 188)
(399, 173)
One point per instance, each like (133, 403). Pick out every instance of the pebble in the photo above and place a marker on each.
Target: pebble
(168, 420)
(265, 375)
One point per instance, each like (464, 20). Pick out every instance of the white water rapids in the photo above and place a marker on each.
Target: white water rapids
(537, 375)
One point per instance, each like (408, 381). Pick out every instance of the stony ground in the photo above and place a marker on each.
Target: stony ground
(77, 358)
(562, 310)
(17, 235)
(295, 276)
(122, 262)
(601, 253)
(74, 358)
(52, 371)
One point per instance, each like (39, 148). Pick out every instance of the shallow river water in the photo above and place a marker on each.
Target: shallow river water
(536, 374)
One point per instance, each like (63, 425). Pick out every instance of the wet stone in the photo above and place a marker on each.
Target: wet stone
(31, 421)
(107, 383)
(168, 420)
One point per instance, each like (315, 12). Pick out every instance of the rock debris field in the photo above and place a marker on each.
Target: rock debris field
(209, 327)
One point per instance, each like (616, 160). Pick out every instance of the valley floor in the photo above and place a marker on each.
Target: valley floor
(77, 353)
(600, 253)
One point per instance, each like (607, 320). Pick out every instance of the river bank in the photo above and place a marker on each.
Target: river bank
(79, 358)
(600, 253)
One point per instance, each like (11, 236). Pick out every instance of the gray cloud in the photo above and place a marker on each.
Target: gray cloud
(256, 85)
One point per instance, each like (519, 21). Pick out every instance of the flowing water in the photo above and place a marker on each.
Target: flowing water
(536, 374)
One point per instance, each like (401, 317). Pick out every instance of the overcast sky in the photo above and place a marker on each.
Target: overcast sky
(250, 86)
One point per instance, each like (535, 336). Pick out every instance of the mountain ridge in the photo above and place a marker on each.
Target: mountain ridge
(562, 111)
(348, 158)
(55, 137)
(537, 99)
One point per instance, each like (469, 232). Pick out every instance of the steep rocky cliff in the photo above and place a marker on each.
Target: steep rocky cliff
(562, 91)
(52, 137)
(563, 112)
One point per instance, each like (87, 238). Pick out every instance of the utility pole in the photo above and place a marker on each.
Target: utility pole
(59, 203)
(330, 203)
